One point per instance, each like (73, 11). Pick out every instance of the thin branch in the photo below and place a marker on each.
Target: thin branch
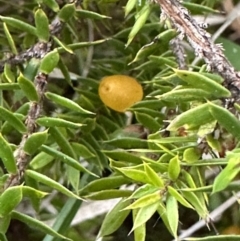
(201, 42)
(39, 50)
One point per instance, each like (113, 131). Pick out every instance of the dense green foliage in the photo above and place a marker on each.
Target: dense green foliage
(160, 158)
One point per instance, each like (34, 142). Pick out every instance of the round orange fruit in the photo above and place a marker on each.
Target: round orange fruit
(119, 92)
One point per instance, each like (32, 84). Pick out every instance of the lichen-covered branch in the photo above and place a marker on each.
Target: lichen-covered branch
(201, 42)
(39, 50)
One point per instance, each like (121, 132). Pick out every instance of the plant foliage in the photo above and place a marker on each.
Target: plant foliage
(61, 145)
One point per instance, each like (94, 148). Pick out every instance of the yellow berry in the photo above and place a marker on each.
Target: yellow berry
(119, 92)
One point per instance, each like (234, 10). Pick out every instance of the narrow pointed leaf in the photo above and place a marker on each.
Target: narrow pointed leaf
(192, 118)
(49, 62)
(50, 182)
(174, 168)
(140, 231)
(37, 224)
(9, 38)
(153, 176)
(226, 119)
(114, 218)
(9, 199)
(66, 12)
(144, 214)
(57, 122)
(230, 237)
(6, 154)
(179, 197)
(42, 25)
(66, 103)
(51, 4)
(35, 141)
(41, 160)
(145, 200)
(172, 214)
(16, 23)
(105, 183)
(28, 88)
(81, 13)
(142, 18)
(201, 81)
(66, 159)
(12, 119)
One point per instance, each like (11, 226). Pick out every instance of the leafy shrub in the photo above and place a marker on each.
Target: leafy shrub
(61, 145)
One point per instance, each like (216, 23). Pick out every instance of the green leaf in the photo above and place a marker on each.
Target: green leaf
(41, 160)
(18, 24)
(182, 95)
(50, 182)
(66, 103)
(174, 168)
(67, 12)
(137, 175)
(82, 150)
(129, 6)
(105, 183)
(162, 61)
(9, 86)
(52, 122)
(42, 25)
(123, 156)
(62, 45)
(144, 214)
(4, 225)
(196, 203)
(34, 141)
(36, 224)
(12, 120)
(28, 88)
(198, 8)
(226, 119)
(179, 197)
(160, 43)
(139, 232)
(232, 56)
(60, 137)
(231, 237)
(191, 155)
(141, 19)
(143, 191)
(31, 192)
(73, 177)
(114, 218)
(228, 173)
(81, 13)
(192, 118)
(108, 194)
(148, 121)
(163, 214)
(128, 143)
(80, 45)
(65, 216)
(153, 177)
(145, 200)
(10, 39)
(66, 159)
(31, 69)
(197, 80)
(49, 62)
(172, 214)
(8, 74)
(6, 154)
(9, 199)
(51, 4)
